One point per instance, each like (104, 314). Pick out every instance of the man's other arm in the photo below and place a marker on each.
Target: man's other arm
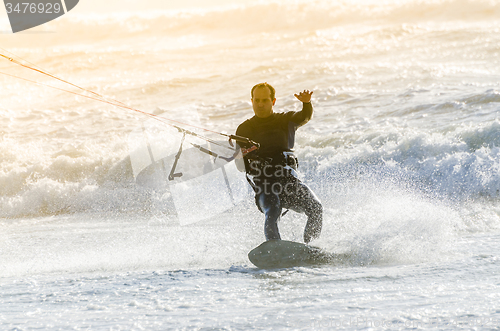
(239, 160)
(302, 117)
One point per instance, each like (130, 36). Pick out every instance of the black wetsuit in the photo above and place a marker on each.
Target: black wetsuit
(271, 170)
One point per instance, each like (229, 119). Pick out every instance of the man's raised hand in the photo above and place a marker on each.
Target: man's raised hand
(304, 96)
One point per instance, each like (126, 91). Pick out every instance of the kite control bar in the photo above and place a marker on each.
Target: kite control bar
(243, 140)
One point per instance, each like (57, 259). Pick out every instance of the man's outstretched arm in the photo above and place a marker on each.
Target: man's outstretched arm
(303, 116)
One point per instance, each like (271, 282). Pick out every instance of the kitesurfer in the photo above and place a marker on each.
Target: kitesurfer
(271, 169)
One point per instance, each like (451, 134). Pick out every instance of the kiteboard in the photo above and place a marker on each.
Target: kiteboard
(287, 254)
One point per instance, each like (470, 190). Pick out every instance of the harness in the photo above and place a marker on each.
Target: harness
(278, 168)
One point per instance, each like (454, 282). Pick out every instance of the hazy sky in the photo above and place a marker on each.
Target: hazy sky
(113, 6)
(100, 6)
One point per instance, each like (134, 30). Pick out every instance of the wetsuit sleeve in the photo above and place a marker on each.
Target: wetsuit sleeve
(240, 161)
(244, 131)
(302, 117)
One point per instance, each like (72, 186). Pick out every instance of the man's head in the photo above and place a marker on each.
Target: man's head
(263, 99)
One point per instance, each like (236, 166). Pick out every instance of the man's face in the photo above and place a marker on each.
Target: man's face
(262, 103)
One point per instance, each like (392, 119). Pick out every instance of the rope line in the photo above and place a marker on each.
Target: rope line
(98, 97)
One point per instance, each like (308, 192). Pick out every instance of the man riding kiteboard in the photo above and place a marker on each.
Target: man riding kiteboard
(271, 169)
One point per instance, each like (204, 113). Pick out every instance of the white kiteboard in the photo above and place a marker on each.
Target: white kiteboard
(286, 254)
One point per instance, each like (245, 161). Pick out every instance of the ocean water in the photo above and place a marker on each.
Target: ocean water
(403, 151)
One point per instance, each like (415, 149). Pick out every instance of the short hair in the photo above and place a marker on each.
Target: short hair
(271, 89)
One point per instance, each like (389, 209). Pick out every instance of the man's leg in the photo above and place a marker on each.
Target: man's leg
(314, 212)
(299, 197)
(269, 204)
